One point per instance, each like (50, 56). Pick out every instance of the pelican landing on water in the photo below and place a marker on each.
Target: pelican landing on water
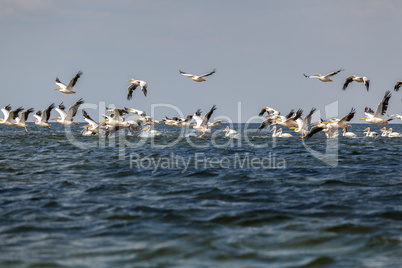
(202, 123)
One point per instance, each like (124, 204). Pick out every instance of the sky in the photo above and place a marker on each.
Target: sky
(260, 50)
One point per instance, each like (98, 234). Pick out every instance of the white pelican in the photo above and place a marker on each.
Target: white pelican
(283, 135)
(134, 85)
(197, 78)
(265, 123)
(368, 133)
(393, 134)
(384, 132)
(215, 124)
(375, 118)
(397, 85)
(359, 79)
(274, 134)
(43, 118)
(397, 116)
(329, 130)
(92, 126)
(148, 132)
(290, 121)
(69, 88)
(87, 132)
(324, 78)
(303, 124)
(202, 125)
(230, 132)
(348, 134)
(270, 111)
(9, 115)
(182, 122)
(66, 119)
(341, 123)
(20, 121)
(135, 111)
(116, 122)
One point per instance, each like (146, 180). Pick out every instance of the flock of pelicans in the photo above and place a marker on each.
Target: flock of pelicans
(114, 120)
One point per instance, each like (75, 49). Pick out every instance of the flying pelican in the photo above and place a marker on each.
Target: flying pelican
(341, 123)
(197, 78)
(135, 111)
(397, 116)
(375, 118)
(10, 115)
(69, 88)
(398, 85)
(20, 121)
(92, 126)
(304, 124)
(217, 123)
(265, 123)
(359, 79)
(269, 111)
(368, 133)
(43, 118)
(116, 121)
(134, 85)
(324, 78)
(182, 122)
(230, 132)
(202, 125)
(348, 134)
(66, 119)
(291, 121)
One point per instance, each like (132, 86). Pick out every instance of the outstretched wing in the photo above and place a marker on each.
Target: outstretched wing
(313, 131)
(347, 82)
(383, 105)
(130, 90)
(72, 111)
(186, 74)
(208, 116)
(334, 73)
(208, 74)
(73, 80)
(398, 85)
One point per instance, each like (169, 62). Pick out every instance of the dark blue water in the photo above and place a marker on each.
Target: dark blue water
(255, 201)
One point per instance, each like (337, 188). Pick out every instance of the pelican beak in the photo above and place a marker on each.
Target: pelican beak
(363, 118)
(57, 88)
(293, 128)
(145, 128)
(365, 129)
(85, 126)
(57, 118)
(33, 121)
(128, 80)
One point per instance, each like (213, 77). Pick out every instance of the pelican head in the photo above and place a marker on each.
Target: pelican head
(367, 129)
(383, 129)
(226, 129)
(273, 128)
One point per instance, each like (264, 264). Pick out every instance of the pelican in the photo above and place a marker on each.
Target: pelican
(368, 133)
(69, 88)
(397, 116)
(230, 132)
(43, 118)
(215, 124)
(270, 111)
(397, 85)
(202, 125)
(283, 135)
(393, 134)
(329, 130)
(116, 122)
(359, 79)
(66, 119)
(304, 124)
(20, 121)
(348, 134)
(182, 122)
(148, 132)
(384, 132)
(290, 121)
(8, 115)
(134, 85)
(324, 78)
(197, 78)
(274, 134)
(135, 111)
(92, 126)
(265, 123)
(375, 118)
(341, 123)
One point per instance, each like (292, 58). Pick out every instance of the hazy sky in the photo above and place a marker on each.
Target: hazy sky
(260, 50)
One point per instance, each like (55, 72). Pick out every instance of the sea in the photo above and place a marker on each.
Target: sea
(166, 198)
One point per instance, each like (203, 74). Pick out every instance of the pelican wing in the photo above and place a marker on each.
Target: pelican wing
(73, 80)
(72, 111)
(130, 90)
(298, 114)
(88, 119)
(144, 86)
(61, 110)
(313, 131)
(208, 74)
(334, 73)
(25, 114)
(6, 111)
(208, 116)
(197, 117)
(366, 83)
(46, 113)
(265, 123)
(383, 105)
(347, 82)
(397, 85)
(349, 116)
(307, 119)
(186, 74)
(289, 115)
(60, 84)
